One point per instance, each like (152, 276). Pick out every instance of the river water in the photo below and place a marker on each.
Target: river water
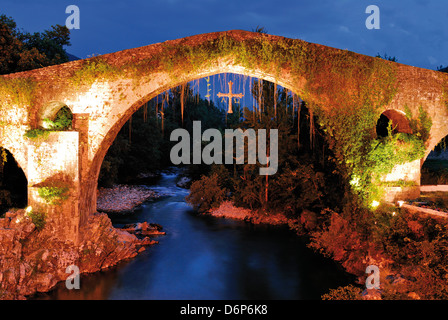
(203, 257)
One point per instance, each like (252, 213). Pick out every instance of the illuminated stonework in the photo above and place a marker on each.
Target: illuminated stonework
(103, 92)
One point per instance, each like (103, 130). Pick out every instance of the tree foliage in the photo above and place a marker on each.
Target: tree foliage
(306, 166)
(206, 193)
(21, 51)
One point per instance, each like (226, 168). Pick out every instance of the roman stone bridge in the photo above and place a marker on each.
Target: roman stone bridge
(103, 92)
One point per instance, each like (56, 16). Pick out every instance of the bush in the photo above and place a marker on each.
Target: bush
(37, 133)
(38, 218)
(418, 245)
(206, 193)
(53, 194)
(349, 292)
(62, 121)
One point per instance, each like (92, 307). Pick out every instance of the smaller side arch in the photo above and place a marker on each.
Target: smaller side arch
(50, 111)
(398, 121)
(13, 182)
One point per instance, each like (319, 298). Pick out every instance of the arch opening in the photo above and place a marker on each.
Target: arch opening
(13, 183)
(56, 116)
(159, 94)
(434, 178)
(394, 121)
(283, 108)
(435, 166)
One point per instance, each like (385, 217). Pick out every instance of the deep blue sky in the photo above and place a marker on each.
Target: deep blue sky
(415, 31)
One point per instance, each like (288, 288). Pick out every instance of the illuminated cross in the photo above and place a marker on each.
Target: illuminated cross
(230, 95)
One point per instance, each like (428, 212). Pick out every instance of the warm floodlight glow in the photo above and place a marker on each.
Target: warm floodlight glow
(375, 204)
(400, 203)
(46, 124)
(355, 181)
(28, 209)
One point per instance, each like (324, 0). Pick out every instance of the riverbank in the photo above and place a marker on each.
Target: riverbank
(347, 249)
(229, 211)
(34, 260)
(123, 198)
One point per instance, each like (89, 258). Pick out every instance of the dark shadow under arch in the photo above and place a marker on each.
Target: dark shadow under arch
(435, 167)
(396, 119)
(13, 184)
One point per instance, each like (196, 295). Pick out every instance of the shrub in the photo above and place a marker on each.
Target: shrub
(349, 292)
(38, 218)
(53, 194)
(206, 193)
(62, 121)
(36, 133)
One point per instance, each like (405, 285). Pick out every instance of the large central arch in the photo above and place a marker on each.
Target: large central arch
(128, 108)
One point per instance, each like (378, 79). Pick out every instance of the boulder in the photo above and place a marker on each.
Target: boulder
(371, 294)
(183, 182)
(124, 236)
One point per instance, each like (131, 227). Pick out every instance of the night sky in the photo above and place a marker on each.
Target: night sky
(414, 31)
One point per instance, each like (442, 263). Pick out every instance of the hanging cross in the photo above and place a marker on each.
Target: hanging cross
(230, 95)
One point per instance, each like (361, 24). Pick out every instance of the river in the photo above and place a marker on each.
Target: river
(203, 257)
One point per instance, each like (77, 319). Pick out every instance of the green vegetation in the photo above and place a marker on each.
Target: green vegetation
(93, 69)
(22, 51)
(38, 218)
(54, 194)
(434, 200)
(17, 90)
(330, 158)
(62, 122)
(35, 134)
(385, 154)
(312, 178)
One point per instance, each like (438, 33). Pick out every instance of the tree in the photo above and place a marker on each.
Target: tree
(442, 69)
(206, 193)
(386, 57)
(21, 51)
(305, 169)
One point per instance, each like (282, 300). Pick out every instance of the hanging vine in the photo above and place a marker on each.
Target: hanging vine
(182, 102)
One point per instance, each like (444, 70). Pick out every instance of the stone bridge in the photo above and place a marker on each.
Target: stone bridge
(103, 92)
